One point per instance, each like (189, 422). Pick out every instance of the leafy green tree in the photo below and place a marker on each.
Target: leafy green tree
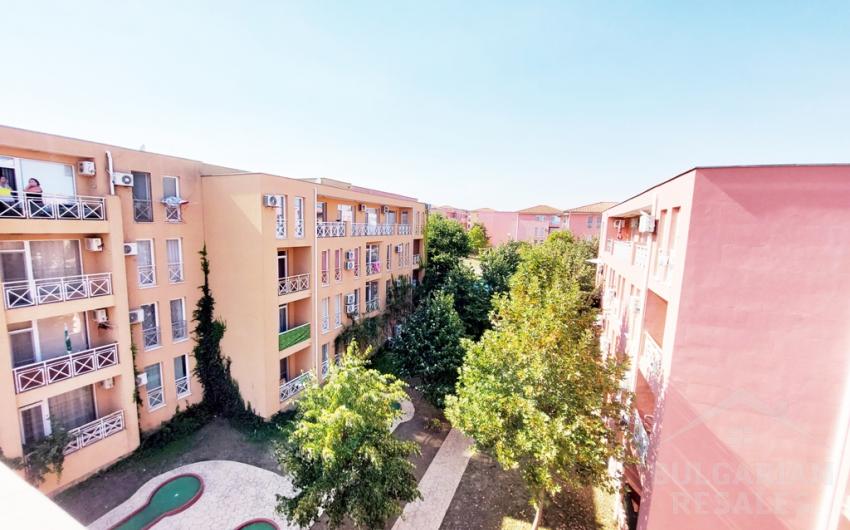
(429, 346)
(447, 243)
(478, 238)
(471, 298)
(535, 392)
(399, 302)
(342, 457)
(500, 263)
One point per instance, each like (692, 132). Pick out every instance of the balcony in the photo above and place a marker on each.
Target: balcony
(333, 229)
(365, 229)
(403, 230)
(26, 293)
(175, 273)
(293, 387)
(94, 431)
(373, 267)
(416, 260)
(47, 206)
(372, 305)
(44, 373)
(651, 364)
(151, 338)
(622, 250)
(640, 438)
(142, 211)
(147, 275)
(293, 284)
(293, 336)
(183, 389)
(642, 256)
(179, 330)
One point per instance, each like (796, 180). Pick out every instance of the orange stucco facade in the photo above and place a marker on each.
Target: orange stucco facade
(89, 268)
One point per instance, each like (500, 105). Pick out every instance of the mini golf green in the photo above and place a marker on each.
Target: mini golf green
(258, 524)
(172, 496)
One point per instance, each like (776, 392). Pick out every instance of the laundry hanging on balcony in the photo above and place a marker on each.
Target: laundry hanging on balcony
(173, 211)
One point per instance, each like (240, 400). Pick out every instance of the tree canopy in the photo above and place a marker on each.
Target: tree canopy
(447, 243)
(535, 392)
(343, 459)
(478, 238)
(471, 299)
(498, 264)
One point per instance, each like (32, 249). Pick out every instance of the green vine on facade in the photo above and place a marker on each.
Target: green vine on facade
(45, 456)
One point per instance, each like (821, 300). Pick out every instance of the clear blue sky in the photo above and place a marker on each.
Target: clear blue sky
(469, 103)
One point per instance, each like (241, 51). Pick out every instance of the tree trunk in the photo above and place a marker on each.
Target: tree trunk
(538, 514)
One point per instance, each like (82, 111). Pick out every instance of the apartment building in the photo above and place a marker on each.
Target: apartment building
(727, 289)
(99, 270)
(456, 214)
(584, 222)
(531, 225)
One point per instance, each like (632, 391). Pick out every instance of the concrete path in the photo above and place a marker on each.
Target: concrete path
(438, 485)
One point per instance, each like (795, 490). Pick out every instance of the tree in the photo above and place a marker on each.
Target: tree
(499, 264)
(478, 238)
(447, 243)
(429, 346)
(399, 302)
(342, 457)
(471, 299)
(535, 392)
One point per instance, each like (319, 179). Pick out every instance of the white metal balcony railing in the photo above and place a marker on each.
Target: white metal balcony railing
(179, 330)
(43, 373)
(280, 226)
(325, 277)
(94, 431)
(182, 385)
(337, 320)
(330, 229)
(147, 275)
(50, 206)
(175, 272)
(651, 364)
(366, 229)
(609, 246)
(173, 214)
(142, 211)
(373, 267)
(155, 398)
(325, 367)
(293, 387)
(299, 227)
(338, 274)
(642, 256)
(416, 260)
(639, 437)
(293, 284)
(25, 293)
(623, 250)
(150, 337)
(372, 305)
(403, 230)
(351, 309)
(326, 324)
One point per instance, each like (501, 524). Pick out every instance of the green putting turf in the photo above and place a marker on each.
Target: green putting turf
(258, 525)
(168, 498)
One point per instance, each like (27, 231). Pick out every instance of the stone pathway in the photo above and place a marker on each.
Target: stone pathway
(438, 485)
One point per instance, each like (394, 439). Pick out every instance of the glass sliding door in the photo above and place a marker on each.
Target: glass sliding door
(142, 203)
(55, 259)
(73, 408)
(145, 263)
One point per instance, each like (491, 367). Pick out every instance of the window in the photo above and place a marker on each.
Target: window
(541, 218)
(389, 218)
(45, 339)
(170, 187)
(171, 198)
(299, 217)
(55, 259)
(54, 178)
(371, 216)
(598, 221)
(174, 252)
(153, 388)
(338, 265)
(284, 370)
(326, 322)
(282, 265)
(344, 213)
(372, 296)
(404, 217)
(282, 318)
(280, 218)
(555, 219)
(181, 376)
(150, 326)
(338, 311)
(73, 408)
(145, 263)
(325, 360)
(33, 424)
(325, 265)
(179, 327)
(389, 257)
(357, 262)
(590, 221)
(373, 259)
(321, 212)
(142, 205)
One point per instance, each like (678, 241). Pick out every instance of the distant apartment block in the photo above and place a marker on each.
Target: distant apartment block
(532, 225)
(727, 290)
(456, 214)
(585, 221)
(104, 255)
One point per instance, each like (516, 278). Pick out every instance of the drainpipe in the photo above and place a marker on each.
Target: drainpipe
(109, 172)
(315, 257)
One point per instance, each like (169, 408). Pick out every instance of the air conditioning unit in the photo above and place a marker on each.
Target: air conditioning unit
(351, 309)
(86, 168)
(100, 316)
(109, 383)
(271, 201)
(385, 209)
(646, 223)
(350, 255)
(349, 265)
(136, 316)
(122, 179)
(141, 379)
(94, 244)
(350, 299)
(131, 249)
(361, 207)
(399, 249)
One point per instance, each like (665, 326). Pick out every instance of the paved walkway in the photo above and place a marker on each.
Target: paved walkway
(438, 485)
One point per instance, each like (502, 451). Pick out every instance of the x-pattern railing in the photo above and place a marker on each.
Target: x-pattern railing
(373, 267)
(175, 272)
(43, 373)
(338, 274)
(330, 229)
(293, 284)
(325, 277)
(299, 227)
(52, 206)
(147, 275)
(325, 368)
(150, 337)
(326, 324)
(94, 431)
(156, 398)
(179, 330)
(182, 386)
(173, 214)
(372, 305)
(280, 226)
(289, 389)
(25, 293)
(142, 211)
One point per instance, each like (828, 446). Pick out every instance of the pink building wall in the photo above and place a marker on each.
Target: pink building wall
(576, 223)
(750, 424)
(456, 214)
(511, 226)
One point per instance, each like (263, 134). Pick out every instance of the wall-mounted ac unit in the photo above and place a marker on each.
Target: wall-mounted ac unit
(101, 316)
(646, 224)
(349, 265)
(399, 249)
(122, 179)
(136, 316)
(94, 244)
(271, 201)
(131, 249)
(385, 209)
(350, 299)
(350, 255)
(86, 168)
(141, 379)
(108, 383)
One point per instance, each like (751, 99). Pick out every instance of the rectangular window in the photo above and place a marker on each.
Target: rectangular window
(325, 273)
(326, 319)
(282, 318)
(280, 218)
(321, 212)
(150, 326)
(54, 178)
(145, 263)
(345, 213)
(590, 221)
(284, 370)
(142, 198)
(179, 327)
(33, 423)
(299, 217)
(55, 259)
(338, 265)
(282, 265)
(338, 311)
(153, 388)
(181, 376)
(74, 408)
(174, 253)
(389, 257)
(170, 187)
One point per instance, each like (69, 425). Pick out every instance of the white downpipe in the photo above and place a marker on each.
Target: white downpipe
(109, 172)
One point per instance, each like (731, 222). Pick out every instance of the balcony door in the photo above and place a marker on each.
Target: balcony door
(145, 263)
(142, 198)
(283, 318)
(70, 410)
(54, 178)
(389, 219)
(55, 259)
(282, 264)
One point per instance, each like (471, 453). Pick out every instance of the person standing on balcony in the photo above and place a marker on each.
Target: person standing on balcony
(33, 189)
(5, 189)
